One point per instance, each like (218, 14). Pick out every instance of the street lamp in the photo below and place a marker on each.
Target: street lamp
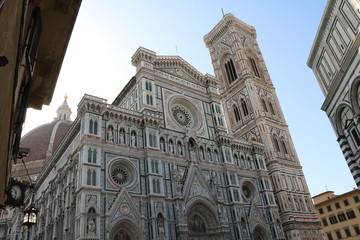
(30, 216)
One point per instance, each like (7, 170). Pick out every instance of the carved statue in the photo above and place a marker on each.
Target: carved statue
(133, 139)
(122, 137)
(177, 178)
(171, 147)
(179, 149)
(162, 145)
(91, 226)
(110, 135)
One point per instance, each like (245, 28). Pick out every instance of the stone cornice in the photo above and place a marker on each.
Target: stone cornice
(228, 21)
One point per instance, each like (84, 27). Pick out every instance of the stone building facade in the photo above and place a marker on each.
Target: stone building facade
(335, 59)
(181, 155)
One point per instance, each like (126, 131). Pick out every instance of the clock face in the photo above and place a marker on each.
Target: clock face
(15, 192)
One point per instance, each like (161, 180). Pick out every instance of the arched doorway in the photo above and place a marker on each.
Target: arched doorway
(260, 234)
(202, 222)
(125, 230)
(122, 235)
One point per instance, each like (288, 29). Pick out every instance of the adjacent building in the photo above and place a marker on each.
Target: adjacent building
(335, 60)
(180, 155)
(33, 41)
(339, 214)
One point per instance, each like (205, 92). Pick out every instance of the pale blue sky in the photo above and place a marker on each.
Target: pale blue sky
(108, 32)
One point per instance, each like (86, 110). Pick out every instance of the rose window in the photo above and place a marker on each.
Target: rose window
(120, 175)
(182, 116)
(249, 190)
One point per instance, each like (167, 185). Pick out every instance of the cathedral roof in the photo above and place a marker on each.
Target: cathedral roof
(44, 139)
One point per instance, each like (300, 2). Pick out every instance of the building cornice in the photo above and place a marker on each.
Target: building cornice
(322, 32)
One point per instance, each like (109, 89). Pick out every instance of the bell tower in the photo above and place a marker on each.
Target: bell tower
(253, 113)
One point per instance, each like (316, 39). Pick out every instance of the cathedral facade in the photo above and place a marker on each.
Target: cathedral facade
(180, 155)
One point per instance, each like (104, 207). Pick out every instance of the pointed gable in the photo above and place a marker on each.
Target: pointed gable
(196, 185)
(123, 207)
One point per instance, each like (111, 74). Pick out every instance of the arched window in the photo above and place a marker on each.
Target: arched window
(236, 113)
(94, 156)
(283, 146)
(244, 107)
(91, 177)
(276, 144)
(254, 67)
(148, 86)
(264, 105)
(152, 139)
(149, 99)
(91, 127)
(154, 166)
(89, 155)
(156, 185)
(230, 71)
(271, 108)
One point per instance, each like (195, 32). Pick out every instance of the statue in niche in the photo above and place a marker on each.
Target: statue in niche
(91, 226)
(110, 134)
(216, 157)
(209, 156)
(202, 156)
(179, 149)
(122, 136)
(162, 145)
(243, 227)
(171, 147)
(133, 139)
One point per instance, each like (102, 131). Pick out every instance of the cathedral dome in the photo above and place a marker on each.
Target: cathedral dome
(42, 142)
(44, 139)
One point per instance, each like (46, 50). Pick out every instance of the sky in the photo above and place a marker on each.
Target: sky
(107, 33)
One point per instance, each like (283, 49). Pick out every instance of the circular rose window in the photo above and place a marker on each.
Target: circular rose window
(248, 190)
(181, 115)
(122, 173)
(184, 113)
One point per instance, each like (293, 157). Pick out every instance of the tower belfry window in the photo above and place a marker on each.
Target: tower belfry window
(244, 107)
(254, 67)
(230, 71)
(236, 113)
